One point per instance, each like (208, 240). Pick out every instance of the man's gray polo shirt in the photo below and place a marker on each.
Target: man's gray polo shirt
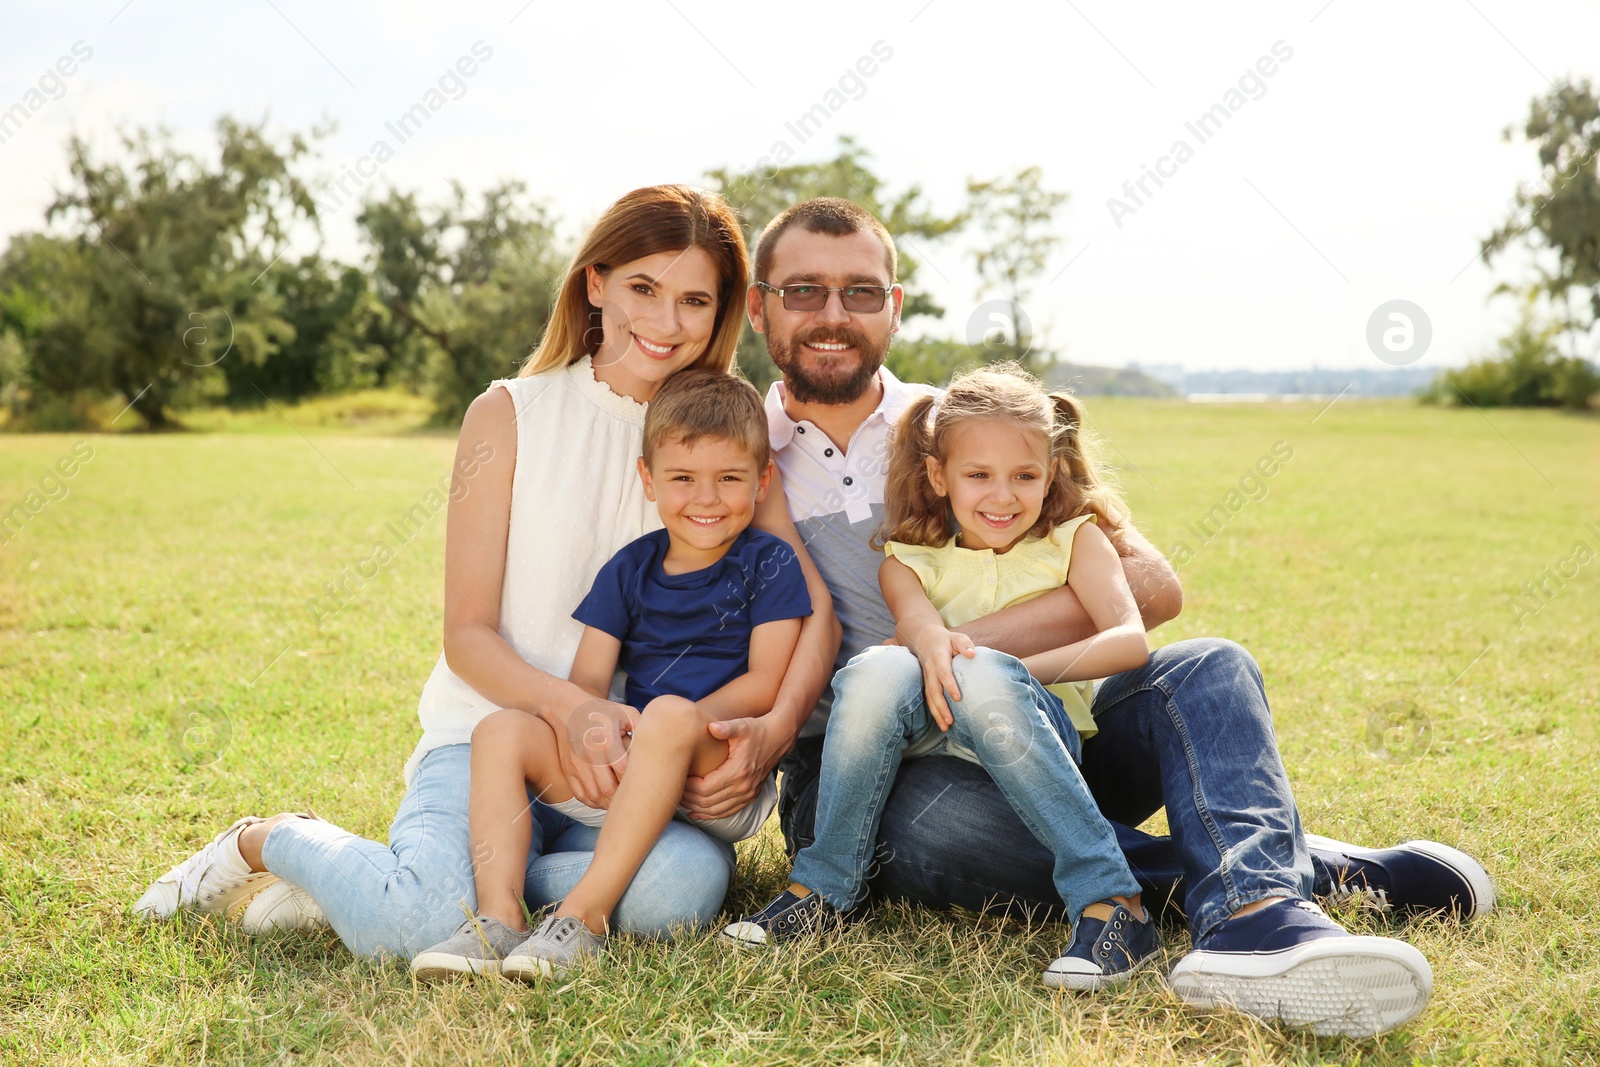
(836, 500)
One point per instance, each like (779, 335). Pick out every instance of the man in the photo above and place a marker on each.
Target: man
(1190, 732)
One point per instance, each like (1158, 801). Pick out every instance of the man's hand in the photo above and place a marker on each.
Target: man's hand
(754, 748)
(936, 649)
(592, 745)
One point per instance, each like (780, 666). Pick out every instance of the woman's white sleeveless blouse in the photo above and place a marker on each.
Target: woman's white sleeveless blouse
(575, 500)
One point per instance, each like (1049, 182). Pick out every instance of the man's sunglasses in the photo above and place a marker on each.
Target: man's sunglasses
(858, 299)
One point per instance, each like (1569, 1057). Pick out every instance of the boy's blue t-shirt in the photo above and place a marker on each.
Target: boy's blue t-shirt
(688, 635)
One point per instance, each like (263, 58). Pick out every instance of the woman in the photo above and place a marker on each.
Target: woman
(544, 493)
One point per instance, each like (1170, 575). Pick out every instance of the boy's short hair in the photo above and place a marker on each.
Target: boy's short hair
(700, 403)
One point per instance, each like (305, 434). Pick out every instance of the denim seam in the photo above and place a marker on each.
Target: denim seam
(864, 850)
(1224, 865)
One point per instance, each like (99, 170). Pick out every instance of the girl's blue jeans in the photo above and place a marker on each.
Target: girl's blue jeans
(1190, 732)
(1005, 721)
(400, 898)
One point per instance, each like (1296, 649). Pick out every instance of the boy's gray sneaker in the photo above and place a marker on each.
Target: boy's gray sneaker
(479, 946)
(558, 944)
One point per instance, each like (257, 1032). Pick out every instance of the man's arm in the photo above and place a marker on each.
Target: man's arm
(1058, 617)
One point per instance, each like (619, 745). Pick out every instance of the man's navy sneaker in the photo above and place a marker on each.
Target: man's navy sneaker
(1417, 876)
(1290, 963)
(788, 916)
(1104, 952)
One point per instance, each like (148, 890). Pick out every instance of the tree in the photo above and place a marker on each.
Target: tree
(468, 287)
(1560, 214)
(1015, 217)
(761, 194)
(1527, 372)
(168, 250)
(336, 321)
(46, 318)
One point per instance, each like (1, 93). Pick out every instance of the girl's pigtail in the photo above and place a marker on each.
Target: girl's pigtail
(913, 513)
(1079, 485)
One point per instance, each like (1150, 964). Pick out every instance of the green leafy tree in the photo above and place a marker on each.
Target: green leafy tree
(761, 194)
(1016, 219)
(1559, 215)
(934, 360)
(168, 252)
(1527, 371)
(336, 321)
(46, 317)
(467, 287)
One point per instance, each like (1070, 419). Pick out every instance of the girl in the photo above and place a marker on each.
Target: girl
(992, 499)
(544, 494)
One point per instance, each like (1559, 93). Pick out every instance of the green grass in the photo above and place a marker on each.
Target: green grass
(168, 589)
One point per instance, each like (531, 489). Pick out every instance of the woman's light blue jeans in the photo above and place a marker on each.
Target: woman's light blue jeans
(1006, 721)
(401, 898)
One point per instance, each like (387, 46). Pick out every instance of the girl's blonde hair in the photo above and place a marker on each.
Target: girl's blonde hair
(917, 515)
(658, 218)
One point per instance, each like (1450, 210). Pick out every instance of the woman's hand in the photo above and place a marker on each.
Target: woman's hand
(936, 649)
(755, 746)
(592, 744)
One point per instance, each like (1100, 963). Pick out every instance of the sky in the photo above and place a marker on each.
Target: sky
(1355, 155)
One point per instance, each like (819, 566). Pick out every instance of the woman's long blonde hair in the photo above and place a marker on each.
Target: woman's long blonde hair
(657, 218)
(917, 515)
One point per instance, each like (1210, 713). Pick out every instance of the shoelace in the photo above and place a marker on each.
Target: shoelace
(191, 875)
(1365, 894)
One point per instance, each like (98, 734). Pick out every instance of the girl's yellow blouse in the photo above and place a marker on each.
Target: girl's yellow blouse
(964, 584)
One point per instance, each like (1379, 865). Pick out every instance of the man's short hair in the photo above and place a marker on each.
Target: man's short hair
(700, 403)
(826, 214)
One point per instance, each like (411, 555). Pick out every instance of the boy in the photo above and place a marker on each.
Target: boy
(703, 615)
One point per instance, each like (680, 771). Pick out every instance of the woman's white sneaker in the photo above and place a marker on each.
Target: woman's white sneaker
(281, 906)
(214, 880)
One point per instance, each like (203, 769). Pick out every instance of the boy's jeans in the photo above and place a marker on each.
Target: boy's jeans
(1005, 721)
(1190, 731)
(401, 898)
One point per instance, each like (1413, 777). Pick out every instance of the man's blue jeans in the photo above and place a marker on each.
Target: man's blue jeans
(1190, 731)
(1005, 720)
(400, 898)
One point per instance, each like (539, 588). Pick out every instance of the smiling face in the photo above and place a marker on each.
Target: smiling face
(706, 494)
(657, 315)
(996, 475)
(828, 356)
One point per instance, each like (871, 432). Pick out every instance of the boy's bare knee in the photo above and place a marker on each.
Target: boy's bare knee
(673, 716)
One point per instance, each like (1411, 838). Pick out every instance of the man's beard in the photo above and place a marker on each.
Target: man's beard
(808, 388)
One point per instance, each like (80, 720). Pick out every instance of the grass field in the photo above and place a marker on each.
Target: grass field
(170, 660)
